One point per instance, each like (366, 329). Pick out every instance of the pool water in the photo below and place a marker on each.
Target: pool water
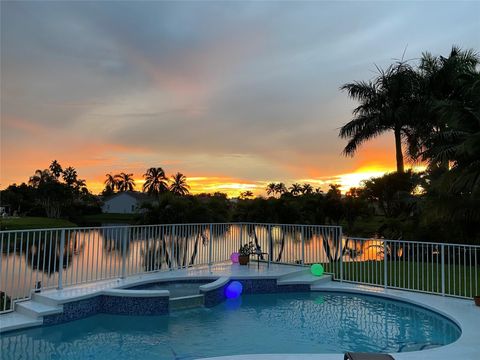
(273, 323)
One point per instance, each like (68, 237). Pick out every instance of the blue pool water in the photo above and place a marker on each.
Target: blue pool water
(272, 323)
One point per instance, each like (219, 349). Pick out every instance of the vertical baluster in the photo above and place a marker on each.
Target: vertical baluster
(19, 265)
(385, 269)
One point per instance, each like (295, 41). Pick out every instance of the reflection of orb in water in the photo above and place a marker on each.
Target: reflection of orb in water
(320, 300)
(233, 304)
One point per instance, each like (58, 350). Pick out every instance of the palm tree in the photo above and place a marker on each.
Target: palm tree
(155, 181)
(246, 194)
(442, 80)
(70, 176)
(271, 189)
(280, 188)
(295, 189)
(40, 177)
(125, 182)
(385, 105)
(307, 189)
(179, 184)
(110, 183)
(459, 143)
(56, 169)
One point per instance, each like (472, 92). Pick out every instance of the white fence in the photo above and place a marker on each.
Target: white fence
(54, 258)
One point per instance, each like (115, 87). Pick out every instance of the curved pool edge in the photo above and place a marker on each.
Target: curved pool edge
(461, 312)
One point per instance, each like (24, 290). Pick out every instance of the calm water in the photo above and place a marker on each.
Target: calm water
(273, 323)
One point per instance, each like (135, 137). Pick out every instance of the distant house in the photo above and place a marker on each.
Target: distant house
(127, 202)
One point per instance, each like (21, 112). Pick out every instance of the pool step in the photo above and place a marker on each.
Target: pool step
(14, 321)
(186, 302)
(37, 310)
(303, 277)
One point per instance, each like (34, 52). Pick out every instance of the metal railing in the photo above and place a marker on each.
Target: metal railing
(437, 268)
(55, 258)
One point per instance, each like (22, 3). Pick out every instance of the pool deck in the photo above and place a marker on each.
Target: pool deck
(463, 312)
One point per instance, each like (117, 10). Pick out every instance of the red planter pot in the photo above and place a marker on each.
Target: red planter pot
(243, 260)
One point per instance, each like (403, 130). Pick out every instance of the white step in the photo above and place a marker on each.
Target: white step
(40, 298)
(305, 278)
(36, 309)
(15, 320)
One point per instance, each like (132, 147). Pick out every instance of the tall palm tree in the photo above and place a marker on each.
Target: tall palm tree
(155, 181)
(179, 184)
(271, 189)
(110, 183)
(307, 189)
(385, 105)
(125, 182)
(295, 189)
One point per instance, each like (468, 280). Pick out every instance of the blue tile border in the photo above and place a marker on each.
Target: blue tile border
(115, 305)
(252, 286)
(75, 310)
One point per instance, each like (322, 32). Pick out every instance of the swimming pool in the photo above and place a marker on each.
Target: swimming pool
(313, 322)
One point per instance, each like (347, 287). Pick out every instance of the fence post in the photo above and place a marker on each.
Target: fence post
(172, 250)
(60, 265)
(270, 244)
(443, 268)
(124, 252)
(302, 234)
(210, 246)
(241, 235)
(341, 253)
(385, 269)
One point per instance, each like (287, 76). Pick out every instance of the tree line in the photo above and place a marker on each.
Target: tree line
(156, 183)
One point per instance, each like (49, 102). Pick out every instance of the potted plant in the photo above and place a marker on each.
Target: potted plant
(244, 253)
(476, 298)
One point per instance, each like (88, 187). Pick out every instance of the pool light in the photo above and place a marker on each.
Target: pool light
(233, 290)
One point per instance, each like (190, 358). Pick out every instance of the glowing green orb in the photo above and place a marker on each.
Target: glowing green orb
(316, 269)
(320, 300)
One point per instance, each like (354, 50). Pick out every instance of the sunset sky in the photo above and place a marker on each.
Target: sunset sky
(232, 94)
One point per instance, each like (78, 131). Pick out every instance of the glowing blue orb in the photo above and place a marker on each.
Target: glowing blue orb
(233, 290)
(234, 257)
(317, 269)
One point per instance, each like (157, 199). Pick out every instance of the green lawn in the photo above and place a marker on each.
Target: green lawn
(461, 280)
(23, 223)
(110, 218)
